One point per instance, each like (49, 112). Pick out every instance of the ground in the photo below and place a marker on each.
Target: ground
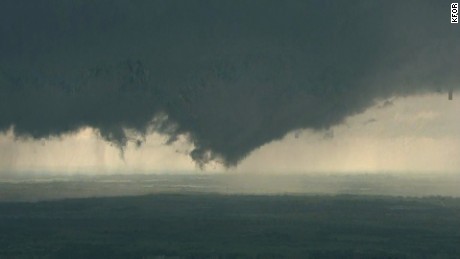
(232, 226)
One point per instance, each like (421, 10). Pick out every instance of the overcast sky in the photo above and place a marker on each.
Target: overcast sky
(247, 86)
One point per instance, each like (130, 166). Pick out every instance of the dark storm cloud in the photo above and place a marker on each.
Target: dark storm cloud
(232, 74)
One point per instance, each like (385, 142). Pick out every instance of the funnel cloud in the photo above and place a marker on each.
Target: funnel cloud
(231, 75)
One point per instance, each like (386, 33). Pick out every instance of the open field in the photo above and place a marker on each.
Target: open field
(33, 187)
(232, 226)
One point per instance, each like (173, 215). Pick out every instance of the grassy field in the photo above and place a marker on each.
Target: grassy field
(232, 226)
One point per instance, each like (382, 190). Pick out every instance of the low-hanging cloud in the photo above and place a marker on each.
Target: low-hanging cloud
(232, 75)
